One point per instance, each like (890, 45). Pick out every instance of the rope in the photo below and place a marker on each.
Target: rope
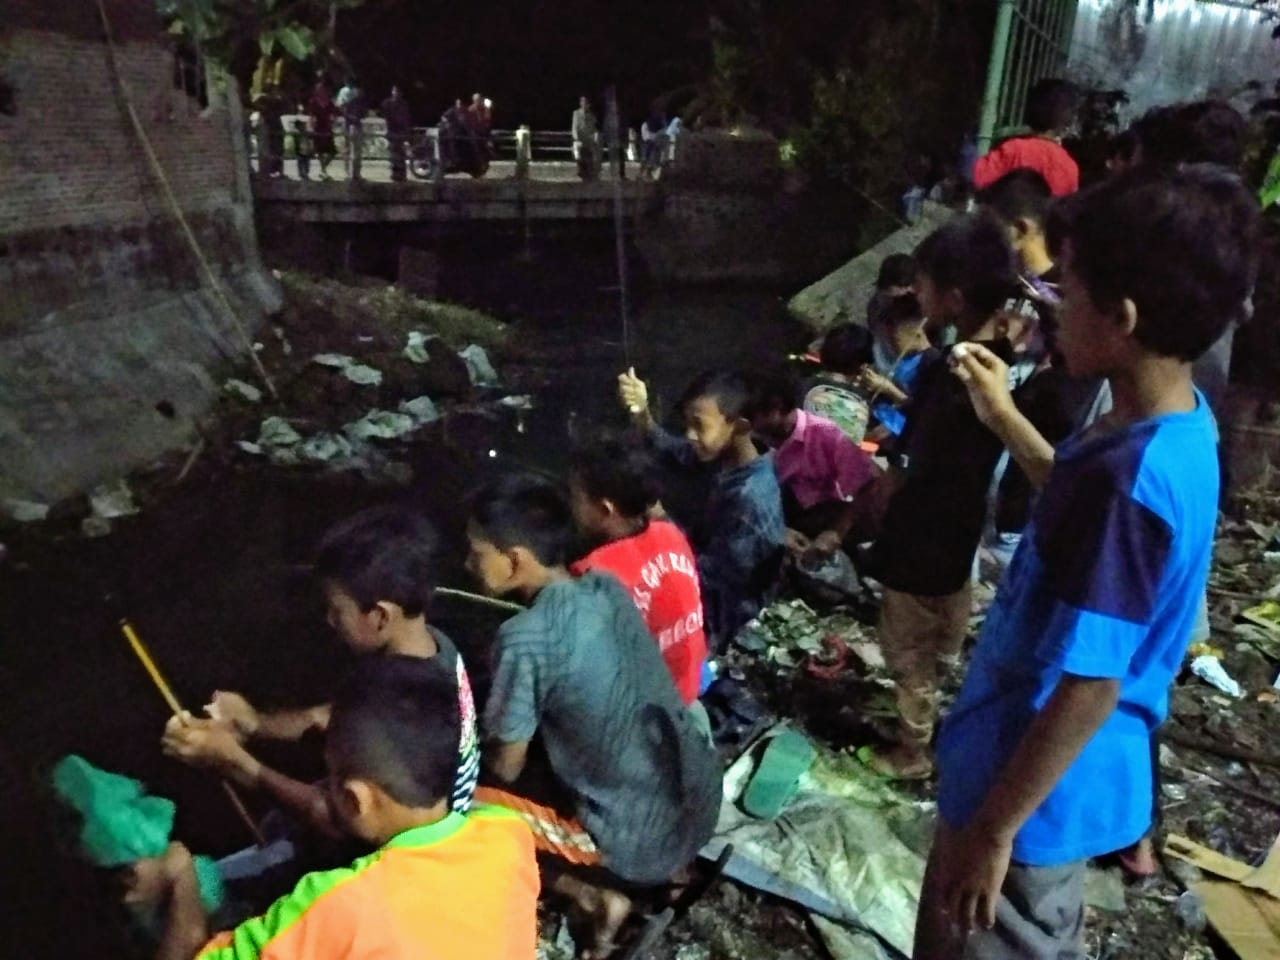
(167, 189)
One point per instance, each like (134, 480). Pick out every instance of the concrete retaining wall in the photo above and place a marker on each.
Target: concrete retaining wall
(841, 296)
(105, 312)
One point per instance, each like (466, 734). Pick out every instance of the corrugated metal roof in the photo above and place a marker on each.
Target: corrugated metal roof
(1166, 51)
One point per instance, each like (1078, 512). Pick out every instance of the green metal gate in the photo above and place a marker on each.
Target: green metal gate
(1031, 41)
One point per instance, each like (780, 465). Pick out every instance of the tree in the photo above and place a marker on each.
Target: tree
(860, 91)
(251, 39)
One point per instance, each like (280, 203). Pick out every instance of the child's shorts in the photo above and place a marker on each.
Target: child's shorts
(554, 833)
(1040, 916)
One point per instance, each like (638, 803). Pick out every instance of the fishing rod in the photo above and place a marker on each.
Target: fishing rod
(613, 126)
(166, 692)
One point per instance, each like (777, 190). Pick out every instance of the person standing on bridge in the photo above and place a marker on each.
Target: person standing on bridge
(395, 111)
(353, 111)
(584, 129)
(271, 126)
(322, 110)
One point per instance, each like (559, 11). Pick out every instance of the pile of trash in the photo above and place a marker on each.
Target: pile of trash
(356, 373)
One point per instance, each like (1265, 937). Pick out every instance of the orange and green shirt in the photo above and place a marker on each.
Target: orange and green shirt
(459, 889)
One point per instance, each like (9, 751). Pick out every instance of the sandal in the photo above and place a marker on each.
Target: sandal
(876, 763)
(786, 757)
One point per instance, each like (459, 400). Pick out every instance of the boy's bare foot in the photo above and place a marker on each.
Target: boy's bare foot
(605, 910)
(1139, 861)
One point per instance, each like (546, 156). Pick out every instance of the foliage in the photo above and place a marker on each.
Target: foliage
(236, 34)
(872, 95)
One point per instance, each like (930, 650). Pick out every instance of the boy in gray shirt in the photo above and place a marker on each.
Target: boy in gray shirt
(580, 671)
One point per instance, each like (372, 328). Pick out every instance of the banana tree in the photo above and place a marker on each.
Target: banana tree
(255, 38)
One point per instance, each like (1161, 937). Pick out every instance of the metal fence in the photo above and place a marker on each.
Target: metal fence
(1031, 41)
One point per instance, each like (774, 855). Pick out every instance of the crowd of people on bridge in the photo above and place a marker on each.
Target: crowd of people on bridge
(656, 146)
(312, 125)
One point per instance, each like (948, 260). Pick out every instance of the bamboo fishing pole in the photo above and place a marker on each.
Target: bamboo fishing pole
(157, 678)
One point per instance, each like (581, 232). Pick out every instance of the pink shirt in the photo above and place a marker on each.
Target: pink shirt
(819, 462)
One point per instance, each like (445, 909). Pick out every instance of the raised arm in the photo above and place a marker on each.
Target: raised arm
(987, 378)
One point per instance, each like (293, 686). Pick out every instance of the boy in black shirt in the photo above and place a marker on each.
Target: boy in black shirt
(925, 551)
(1055, 402)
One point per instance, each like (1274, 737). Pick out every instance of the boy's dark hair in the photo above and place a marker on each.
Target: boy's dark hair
(1018, 195)
(731, 391)
(972, 255)
(897, 270)
(383, 553)
(1206, 131)
(775, 391)
(618, 467)
(1051, 106)
(397, 723)
(525, 510)
(1181, 244)
(902, 309)
(846, 348)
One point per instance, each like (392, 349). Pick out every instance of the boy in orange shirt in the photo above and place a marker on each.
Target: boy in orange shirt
(392, 754)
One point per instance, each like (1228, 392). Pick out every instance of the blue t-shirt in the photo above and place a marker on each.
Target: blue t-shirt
(904, 375)
(740, 541)
(1105, 584)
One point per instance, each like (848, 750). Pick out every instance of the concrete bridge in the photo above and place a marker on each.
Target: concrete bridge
(453, 200)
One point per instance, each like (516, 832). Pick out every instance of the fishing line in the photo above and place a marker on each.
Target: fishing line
(613, 125)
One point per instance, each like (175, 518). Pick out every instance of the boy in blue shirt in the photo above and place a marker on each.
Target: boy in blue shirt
(1045, 757)
(740, 542)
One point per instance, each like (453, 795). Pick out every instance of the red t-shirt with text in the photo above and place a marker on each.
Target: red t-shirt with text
(658, 569)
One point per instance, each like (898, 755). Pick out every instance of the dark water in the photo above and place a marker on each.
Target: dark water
(212, 573)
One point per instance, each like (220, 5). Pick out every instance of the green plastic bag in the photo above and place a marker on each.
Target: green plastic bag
(120, 823)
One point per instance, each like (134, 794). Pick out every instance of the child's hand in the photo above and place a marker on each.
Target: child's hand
(202, 743)
(873, 381)
(987, 378)
(797, 543)
(236, 712)
(973, 871)
(826, 543)
(633, 392)
(149, 881)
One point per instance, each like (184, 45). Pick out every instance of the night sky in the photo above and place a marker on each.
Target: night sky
(532, 57)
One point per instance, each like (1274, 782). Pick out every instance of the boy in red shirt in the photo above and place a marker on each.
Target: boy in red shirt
(613, 487)
(1051, 108)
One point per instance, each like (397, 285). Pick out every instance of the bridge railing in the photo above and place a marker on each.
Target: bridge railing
(545, 146)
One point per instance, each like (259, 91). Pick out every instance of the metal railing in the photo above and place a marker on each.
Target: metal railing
(544, 146)
(1031, 41)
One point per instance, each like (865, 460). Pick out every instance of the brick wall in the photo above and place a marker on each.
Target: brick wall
(104, 311)
(70, 156)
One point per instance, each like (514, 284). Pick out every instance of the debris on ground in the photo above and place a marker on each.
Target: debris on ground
(478, 365)
(25, 511)
(350, 368)
(112, 500)
(848, 846)
(245, 391)
(1210, 670)
(415, 348)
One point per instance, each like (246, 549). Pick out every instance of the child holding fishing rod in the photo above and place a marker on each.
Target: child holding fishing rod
(377, 569)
